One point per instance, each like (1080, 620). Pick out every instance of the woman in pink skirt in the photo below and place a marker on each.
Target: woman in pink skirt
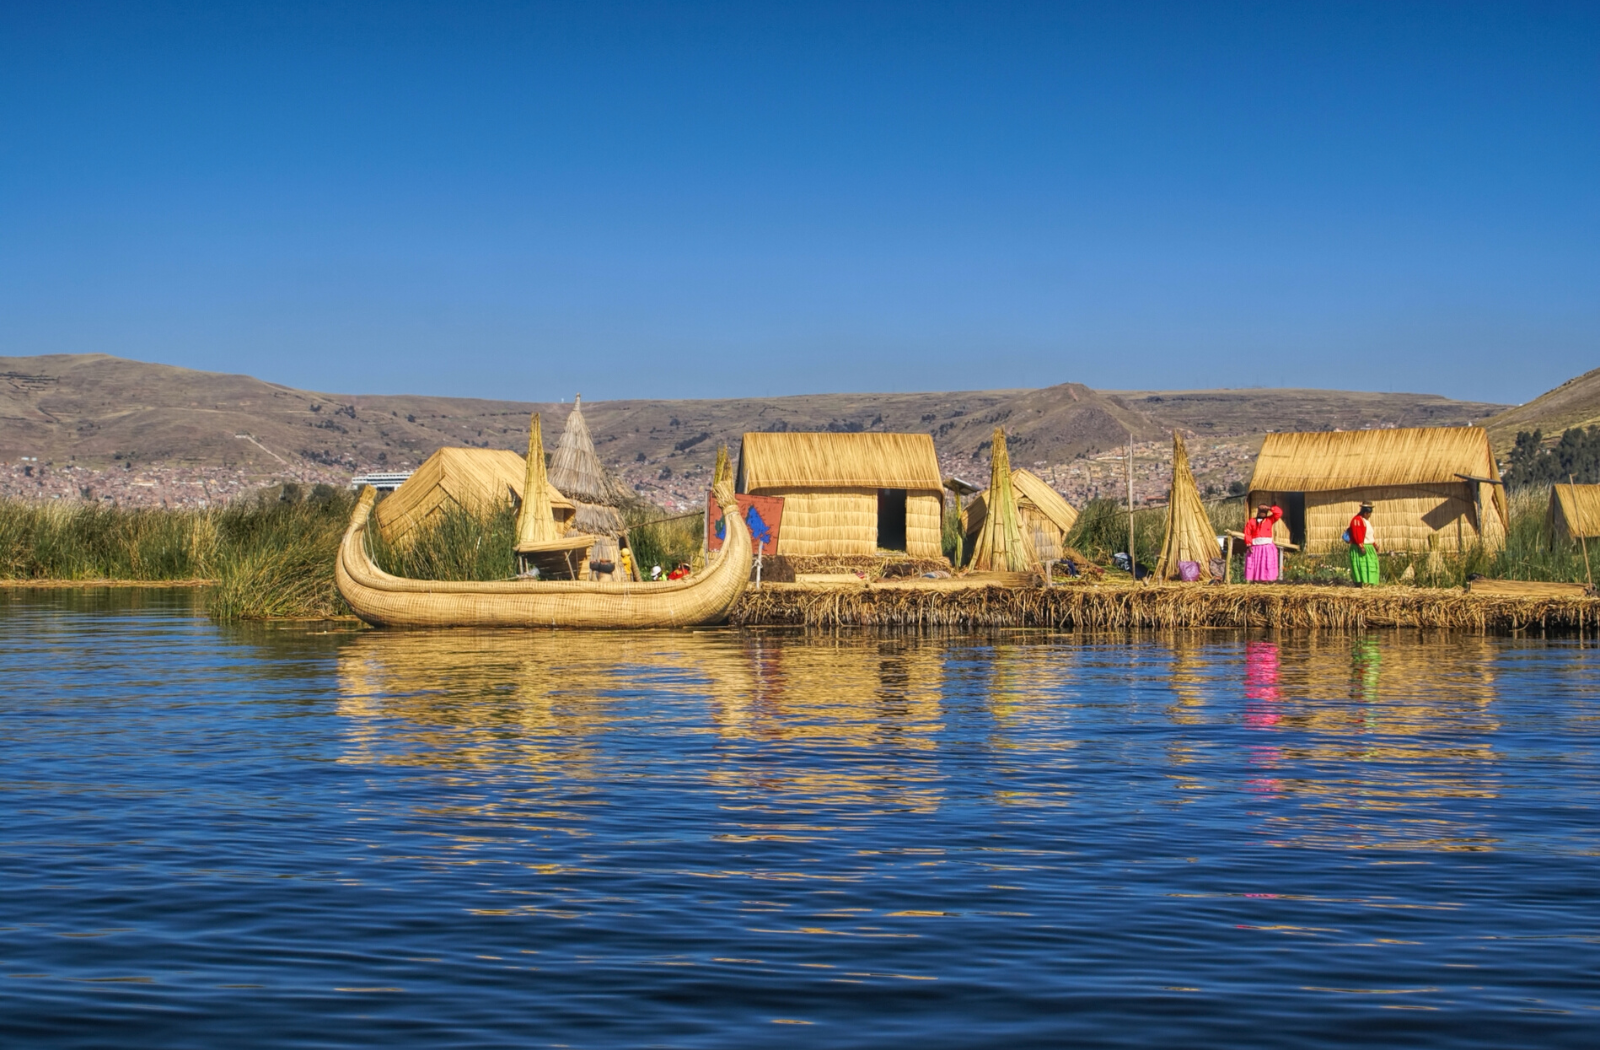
(1261, 563)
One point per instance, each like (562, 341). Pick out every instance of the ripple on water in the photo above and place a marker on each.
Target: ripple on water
(309, 837)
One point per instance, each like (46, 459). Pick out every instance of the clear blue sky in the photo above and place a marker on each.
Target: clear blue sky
(717, 199)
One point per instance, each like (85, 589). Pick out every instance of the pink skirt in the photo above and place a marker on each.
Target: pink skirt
(1261, 564)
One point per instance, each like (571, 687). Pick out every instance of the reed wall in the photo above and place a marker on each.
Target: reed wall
(845, 521)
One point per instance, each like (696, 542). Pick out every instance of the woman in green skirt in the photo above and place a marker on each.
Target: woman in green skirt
(1363, 548)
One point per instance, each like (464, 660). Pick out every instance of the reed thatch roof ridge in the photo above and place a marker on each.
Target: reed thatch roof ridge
(478, 480)
(1580, 508)
(801, 460)
(1045, 499)
(576, 470)
(1326, 461)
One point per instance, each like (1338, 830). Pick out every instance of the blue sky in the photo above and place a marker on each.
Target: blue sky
(693, 200)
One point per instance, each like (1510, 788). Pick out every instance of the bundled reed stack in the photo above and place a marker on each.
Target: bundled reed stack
(1189, 537)
(1002, 545)
(577, 472)
(535, 524)
(541, 543)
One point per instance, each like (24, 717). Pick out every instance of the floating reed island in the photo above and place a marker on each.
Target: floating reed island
(977, 602)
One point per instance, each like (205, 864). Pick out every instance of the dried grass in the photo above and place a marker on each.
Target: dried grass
(1132, 607)
(769, 462)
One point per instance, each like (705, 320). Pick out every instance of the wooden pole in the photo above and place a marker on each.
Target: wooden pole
(1581, 537)
(1133, 558)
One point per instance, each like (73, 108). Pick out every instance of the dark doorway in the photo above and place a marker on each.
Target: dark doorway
(892, 519)
(1294, 516)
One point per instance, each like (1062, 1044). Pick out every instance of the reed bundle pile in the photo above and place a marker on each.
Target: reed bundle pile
(1097, 607)
(1002, 544)
(1189, 536)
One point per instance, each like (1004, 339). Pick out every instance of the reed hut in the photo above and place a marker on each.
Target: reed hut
(1574, 513)
(1432, 488)
(1001, 544)
(576, 471)
(1047, 518)
(848, 493)
(1189, 536)
(478, 480)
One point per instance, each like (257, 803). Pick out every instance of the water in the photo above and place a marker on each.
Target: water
(286, 837)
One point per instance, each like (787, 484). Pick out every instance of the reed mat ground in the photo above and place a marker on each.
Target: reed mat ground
(1179, 606)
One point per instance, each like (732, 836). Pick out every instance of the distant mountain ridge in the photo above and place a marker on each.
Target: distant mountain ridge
(98, 410)
(1575, 403)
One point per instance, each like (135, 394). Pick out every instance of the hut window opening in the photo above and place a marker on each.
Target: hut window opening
(892, 519)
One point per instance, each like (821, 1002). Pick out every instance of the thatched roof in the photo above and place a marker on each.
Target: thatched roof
(1189, 535)
(1578, 507)
(1002, 544)
(882, 461)
(1032, 491)
(576, 470)
(1045, 499)
(1322, 462)
(479, 480)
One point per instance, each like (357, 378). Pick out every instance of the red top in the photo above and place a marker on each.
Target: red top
(1262, 526)
(1358, 531)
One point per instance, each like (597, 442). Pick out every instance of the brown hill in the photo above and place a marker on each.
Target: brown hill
(1575, 403)
(95, 410)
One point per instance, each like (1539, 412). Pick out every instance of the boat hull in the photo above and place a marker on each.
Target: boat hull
(384, 600)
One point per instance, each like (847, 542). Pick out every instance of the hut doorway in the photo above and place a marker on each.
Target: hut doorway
(1294, 516)
(892, 519)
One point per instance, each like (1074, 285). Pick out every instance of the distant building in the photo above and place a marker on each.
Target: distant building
(848, 493)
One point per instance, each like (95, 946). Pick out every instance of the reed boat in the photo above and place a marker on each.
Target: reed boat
(384, 600)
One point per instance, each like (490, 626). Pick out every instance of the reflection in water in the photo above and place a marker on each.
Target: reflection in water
(1360, 727)
(287, 836)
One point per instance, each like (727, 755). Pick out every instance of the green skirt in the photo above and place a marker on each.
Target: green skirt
(1364, 563)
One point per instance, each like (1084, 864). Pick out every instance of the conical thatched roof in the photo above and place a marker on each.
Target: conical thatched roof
(1001, 544)
(534, 522)
(577, 472)
(1189, 535)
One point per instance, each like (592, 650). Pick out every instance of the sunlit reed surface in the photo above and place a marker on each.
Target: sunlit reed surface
(286, 837)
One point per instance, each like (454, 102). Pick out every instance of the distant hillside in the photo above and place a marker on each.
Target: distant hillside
(1575, 403)
(98, 411)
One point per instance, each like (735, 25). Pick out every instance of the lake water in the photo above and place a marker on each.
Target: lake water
(297, 836)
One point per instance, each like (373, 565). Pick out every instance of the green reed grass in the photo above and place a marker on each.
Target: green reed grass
(660, 539)
(454, 544)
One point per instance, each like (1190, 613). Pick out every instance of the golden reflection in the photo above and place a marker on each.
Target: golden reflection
(849, 716)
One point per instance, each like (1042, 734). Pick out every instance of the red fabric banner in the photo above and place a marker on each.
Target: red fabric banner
(764, 514)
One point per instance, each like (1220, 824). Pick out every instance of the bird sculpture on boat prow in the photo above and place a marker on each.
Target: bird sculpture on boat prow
(384, 600)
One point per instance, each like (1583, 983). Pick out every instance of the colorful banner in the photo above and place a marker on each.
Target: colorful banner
(762, 513)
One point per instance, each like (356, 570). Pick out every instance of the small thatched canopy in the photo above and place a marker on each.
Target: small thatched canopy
(1431, 487)
(1189, 535)
(535, 522)
(1046, 516)
(1574, 512)
(848, 493)
(478, 480)
(577, 472)
(1002, 545)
